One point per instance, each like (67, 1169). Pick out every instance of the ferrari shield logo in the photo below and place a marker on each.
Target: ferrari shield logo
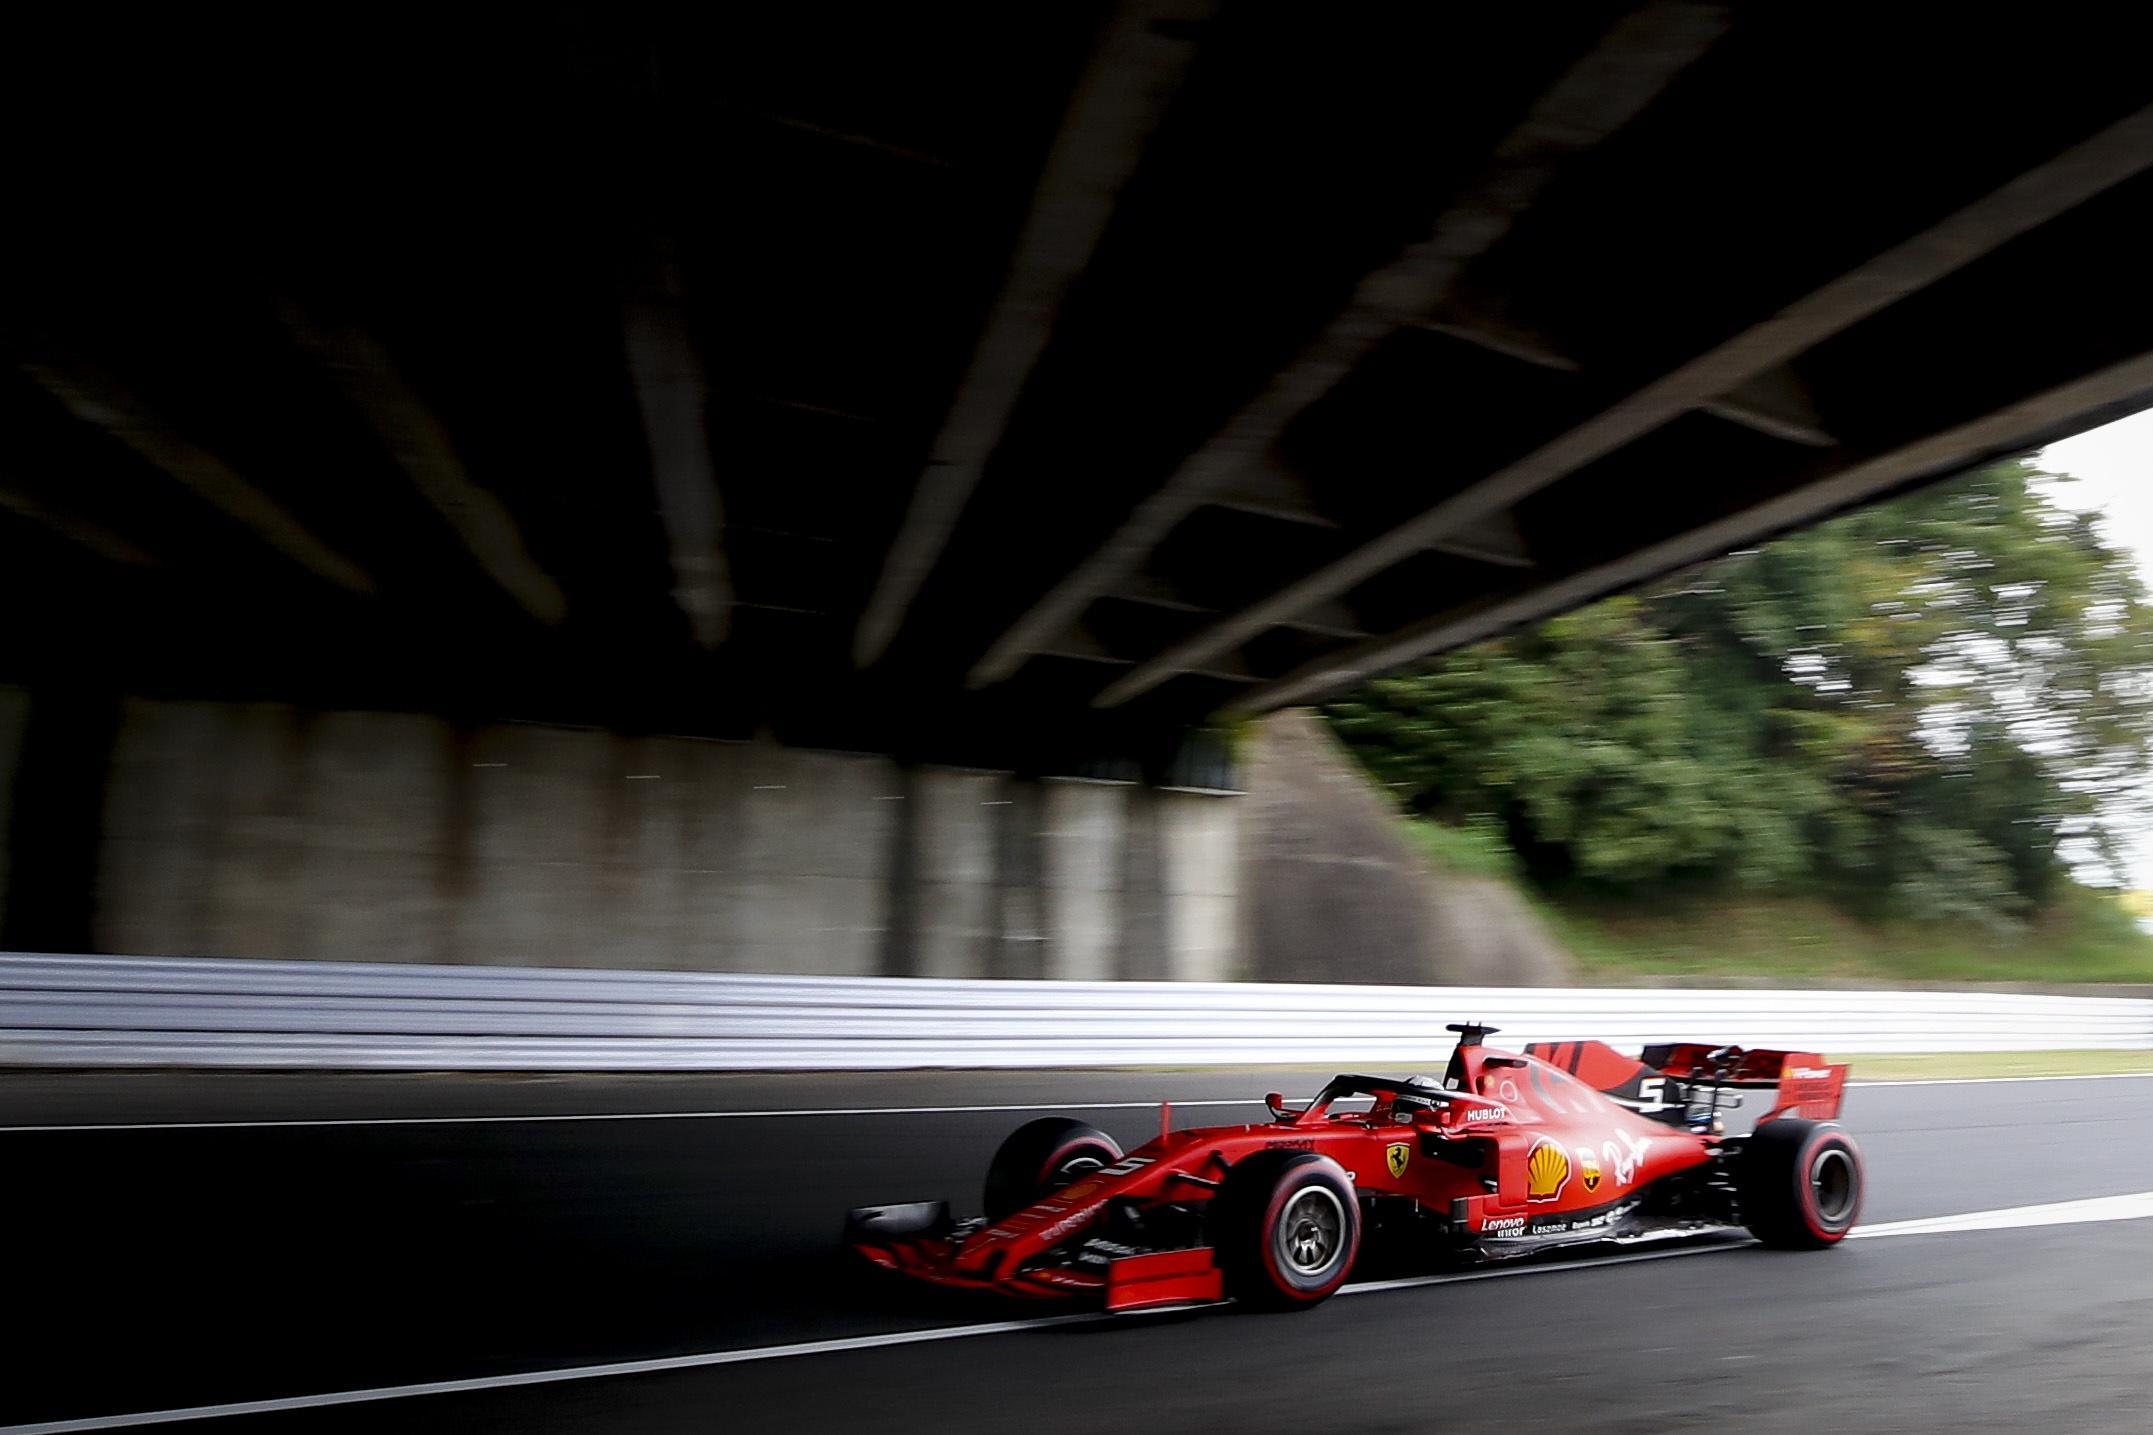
(1397, 1156)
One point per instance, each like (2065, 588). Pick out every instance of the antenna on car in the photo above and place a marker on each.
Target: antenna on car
(1470, 1033)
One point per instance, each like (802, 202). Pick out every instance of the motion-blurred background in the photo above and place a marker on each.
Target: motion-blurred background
(653, 539)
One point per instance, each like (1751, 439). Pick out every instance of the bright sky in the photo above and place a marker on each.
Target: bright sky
(2114, 466)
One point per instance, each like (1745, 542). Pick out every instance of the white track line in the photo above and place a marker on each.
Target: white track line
(1698, 1248)
(539, 1117)
(740, 1357)
(2135, 1206)
(539, 1377)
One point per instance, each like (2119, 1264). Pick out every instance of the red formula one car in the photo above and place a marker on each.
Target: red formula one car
(1568, 1143)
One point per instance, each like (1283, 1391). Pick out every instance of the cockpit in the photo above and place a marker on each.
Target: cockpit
(1390, 1099)
(1473, 1072)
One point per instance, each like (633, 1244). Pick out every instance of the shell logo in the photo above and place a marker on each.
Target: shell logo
(1588, 1169)
(1547, 1171)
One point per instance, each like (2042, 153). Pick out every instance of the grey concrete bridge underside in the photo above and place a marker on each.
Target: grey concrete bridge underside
(1013, 385)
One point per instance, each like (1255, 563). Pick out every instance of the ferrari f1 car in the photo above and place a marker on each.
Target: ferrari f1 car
(1566, 1143)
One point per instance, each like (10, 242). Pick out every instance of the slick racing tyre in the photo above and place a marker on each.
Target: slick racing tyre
(1042, 1156)
(1284, 1228)
(1800, 1184)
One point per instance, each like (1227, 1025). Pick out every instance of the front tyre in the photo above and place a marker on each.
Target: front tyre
(1285, 1228)
(1041, 1157)
(1801, 1184)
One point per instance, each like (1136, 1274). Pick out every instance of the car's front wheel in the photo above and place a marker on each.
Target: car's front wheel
(1285, 1228)
(1043, 1156)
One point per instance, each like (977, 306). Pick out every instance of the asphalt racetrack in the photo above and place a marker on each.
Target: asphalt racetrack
(177, 1243)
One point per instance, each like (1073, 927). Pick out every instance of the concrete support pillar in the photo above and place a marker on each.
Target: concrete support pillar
(373, 811)
(900, 956)
(163, 815)
(1084, 833)
(14, 718)
(772, 860)
(640, 854)
(956, 871)
(711, 783)
(1201, 880)
(258, 831)
(1017, 947)
(256, 905)
(529, 888)
(819, 829)
(1142, 941)
(667, 853)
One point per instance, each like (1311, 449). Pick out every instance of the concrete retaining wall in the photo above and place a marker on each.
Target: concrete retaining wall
(1335, 894)
(265, 831)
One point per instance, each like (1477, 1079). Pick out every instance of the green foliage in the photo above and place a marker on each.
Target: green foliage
(1929, 708)
(2082, 935)
(1475, 849)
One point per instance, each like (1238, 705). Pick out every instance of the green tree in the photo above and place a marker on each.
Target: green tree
(1932, 706)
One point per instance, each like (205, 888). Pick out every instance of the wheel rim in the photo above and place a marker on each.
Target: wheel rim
(1833, 1185)
(1311, 1231)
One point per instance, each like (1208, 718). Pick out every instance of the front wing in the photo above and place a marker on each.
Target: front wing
(919, 1240)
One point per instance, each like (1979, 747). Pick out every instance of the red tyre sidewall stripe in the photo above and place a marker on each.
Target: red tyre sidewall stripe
(1269, 1229)
(1058, 1155)
(1805, 1196)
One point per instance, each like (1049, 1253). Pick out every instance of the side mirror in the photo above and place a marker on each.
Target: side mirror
(1276, 1100)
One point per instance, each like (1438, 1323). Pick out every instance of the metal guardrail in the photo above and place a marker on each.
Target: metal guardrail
(184, 1011)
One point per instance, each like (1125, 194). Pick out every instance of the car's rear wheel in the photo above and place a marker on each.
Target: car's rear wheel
(1285, 1228)
(1043, 1156)
(1801, 1184)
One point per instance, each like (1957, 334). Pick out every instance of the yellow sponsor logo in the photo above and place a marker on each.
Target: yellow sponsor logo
(1398, 1155)
(1078, 1192)
(1588, 1168)
(1547, 1171)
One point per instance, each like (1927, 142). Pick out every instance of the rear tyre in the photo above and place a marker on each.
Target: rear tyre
(1043, 1156)
(1801, 1184)
(1285, 1228)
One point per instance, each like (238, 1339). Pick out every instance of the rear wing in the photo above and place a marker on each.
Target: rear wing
(1808, 1085)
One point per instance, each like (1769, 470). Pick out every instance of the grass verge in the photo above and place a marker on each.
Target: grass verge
(2084, 935)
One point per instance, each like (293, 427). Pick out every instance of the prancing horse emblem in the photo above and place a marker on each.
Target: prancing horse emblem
(1396, 1155)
